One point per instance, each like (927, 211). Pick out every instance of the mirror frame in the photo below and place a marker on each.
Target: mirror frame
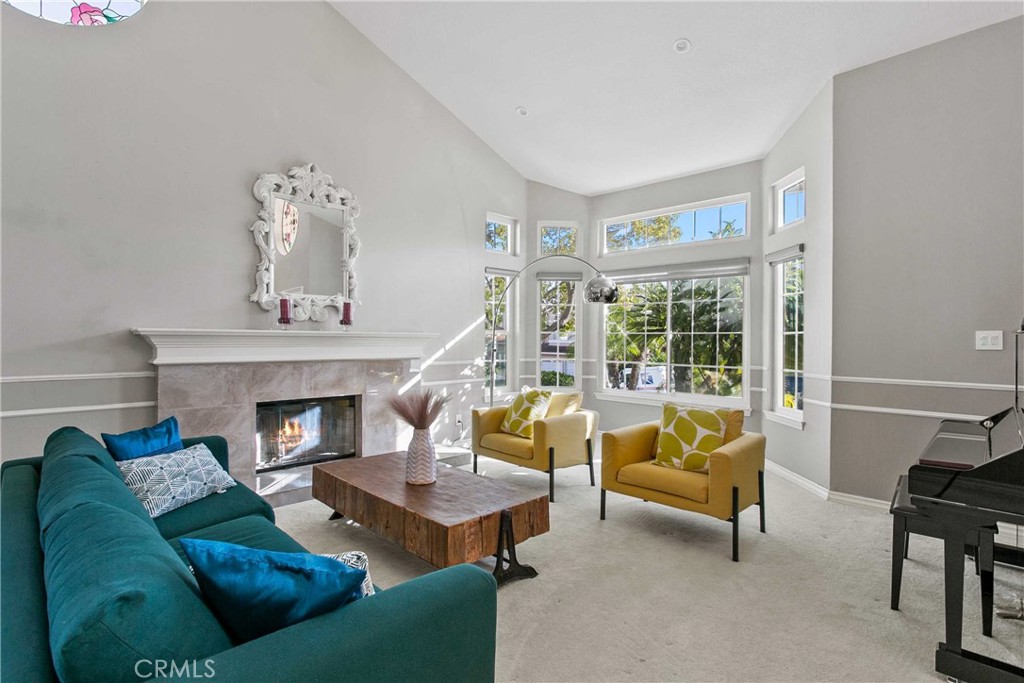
(305, 185)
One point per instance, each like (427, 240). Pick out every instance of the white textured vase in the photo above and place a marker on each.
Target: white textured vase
(420, 459)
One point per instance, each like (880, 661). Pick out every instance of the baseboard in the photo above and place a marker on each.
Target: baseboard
(824, 493)
(791, 476)
(859, 501)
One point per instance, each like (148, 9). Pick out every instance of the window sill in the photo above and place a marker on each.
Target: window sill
(790, 421)
(659, 399)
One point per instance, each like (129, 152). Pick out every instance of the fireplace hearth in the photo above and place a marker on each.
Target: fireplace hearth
(301, 432)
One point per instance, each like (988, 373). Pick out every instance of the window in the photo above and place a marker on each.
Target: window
(680, 336)
(499, 233)
(494, 285)
(557, 333)
(718, 219)
(790, 199)
(557, 238)
(790, 337)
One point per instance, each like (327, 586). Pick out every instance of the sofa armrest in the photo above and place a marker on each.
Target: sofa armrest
(567, 434)
(486, 421)
(625, 446)
(737, 464)
(437, 627)
(218, 445)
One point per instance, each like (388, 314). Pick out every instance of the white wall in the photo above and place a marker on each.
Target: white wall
(129, 155)
(807, 144)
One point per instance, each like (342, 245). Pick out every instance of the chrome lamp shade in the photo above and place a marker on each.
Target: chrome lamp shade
(601, 289)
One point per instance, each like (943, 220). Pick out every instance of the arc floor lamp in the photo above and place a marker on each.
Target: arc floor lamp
(599, 289)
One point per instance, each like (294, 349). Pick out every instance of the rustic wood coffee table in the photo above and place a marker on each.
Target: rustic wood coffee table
(462, 517)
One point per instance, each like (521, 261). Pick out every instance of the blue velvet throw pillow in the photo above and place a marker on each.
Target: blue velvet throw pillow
(256, 592)
(156, 440)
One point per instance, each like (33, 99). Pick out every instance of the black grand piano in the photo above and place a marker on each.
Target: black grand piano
(962, 498)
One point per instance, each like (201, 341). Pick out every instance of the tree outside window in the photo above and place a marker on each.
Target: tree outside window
(494, 286)
(558, 239)
(792, 324)
(557, 333)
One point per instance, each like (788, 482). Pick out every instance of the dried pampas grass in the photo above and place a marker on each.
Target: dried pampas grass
(418, 409)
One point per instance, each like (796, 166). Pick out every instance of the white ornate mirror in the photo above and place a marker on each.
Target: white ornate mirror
(306, 235)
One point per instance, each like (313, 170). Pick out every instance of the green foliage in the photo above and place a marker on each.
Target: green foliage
(558, 240)
(551, 378)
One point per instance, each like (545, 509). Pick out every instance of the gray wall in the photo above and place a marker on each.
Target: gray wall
(928, 242)
(129, 155)
(807, 144)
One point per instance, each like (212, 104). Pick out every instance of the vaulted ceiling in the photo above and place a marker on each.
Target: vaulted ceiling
(610, 100)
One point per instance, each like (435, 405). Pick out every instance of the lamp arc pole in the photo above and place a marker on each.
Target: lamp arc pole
(599, 289)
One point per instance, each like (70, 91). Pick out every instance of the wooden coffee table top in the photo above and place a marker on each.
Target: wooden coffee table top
(451, 521)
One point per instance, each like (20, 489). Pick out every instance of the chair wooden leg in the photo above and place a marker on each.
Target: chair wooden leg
(760, 496)
(899, 545)
(551, 474)
(735, 524)
(602, 503)
(474, 463)
(590, 460)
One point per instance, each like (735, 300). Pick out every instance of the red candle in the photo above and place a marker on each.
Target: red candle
(346, 313)
(286, 312)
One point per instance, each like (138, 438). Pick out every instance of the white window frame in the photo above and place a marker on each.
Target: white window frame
(741, 402)
(577, 312)
(778, 189)
(694, 206)
(780, 413)
(541, 225)
(513, 233)
(509, 334)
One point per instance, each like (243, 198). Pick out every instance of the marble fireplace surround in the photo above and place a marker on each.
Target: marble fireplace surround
(212, 379)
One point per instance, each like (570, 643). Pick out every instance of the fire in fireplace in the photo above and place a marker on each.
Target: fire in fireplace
(305, 431)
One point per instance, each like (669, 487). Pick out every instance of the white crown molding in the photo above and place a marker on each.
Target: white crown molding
(81, 377)
(191, 346)
(63, 410)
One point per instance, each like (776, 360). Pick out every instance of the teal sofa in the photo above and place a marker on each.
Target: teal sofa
(93, 589)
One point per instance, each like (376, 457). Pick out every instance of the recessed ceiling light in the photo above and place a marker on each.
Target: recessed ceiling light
(681, 45)
(522, 111)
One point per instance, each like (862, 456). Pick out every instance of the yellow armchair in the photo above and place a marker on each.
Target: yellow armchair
(563, 438)
(734, 480)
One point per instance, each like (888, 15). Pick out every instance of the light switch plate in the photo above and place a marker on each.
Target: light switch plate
(988, 340)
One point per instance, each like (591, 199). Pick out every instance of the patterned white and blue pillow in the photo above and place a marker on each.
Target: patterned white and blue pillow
(167, 482)
(357, 560)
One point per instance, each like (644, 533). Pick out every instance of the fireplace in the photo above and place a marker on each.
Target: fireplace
(299, 432)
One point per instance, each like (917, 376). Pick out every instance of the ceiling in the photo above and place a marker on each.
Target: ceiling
(612, 104)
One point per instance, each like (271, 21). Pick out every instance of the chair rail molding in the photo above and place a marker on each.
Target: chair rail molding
(175, 346)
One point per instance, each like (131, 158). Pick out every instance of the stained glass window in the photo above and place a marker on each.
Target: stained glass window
(97, 13)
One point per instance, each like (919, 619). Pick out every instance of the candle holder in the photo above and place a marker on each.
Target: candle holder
(286, 312)
(346, 314)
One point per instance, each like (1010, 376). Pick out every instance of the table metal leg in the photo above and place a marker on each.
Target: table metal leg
(507, 542)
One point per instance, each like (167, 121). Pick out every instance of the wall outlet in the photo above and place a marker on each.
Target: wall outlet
(988, 340)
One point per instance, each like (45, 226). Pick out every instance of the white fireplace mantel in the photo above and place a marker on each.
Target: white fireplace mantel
(190, 346)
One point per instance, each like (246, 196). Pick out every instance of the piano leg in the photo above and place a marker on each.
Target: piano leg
(984, 553)
(899, 545)
(954, 577)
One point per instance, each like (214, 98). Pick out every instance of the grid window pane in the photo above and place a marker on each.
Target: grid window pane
(558, 334)
(494, 287)
(558, 240)
(793, 203)
(733, 222)
(674, 227)
(498, 236)
(790, 377)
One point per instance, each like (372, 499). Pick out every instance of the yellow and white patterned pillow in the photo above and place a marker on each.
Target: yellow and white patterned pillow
(530, 405)
(689, 435)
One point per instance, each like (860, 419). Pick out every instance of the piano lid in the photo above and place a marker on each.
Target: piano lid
(997, 484)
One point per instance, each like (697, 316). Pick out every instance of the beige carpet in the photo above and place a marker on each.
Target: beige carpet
(650, 594)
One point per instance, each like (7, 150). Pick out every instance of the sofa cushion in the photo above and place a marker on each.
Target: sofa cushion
(69, 480)
(163, 483)
(237, 501)
(527, 407)
(252, 531)
(509, 444)
(564, 403)
(162, 437)
(689, 435)
(24, 638)
(116, 594)
(73, 441)
(682, 483)
(256, 592)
